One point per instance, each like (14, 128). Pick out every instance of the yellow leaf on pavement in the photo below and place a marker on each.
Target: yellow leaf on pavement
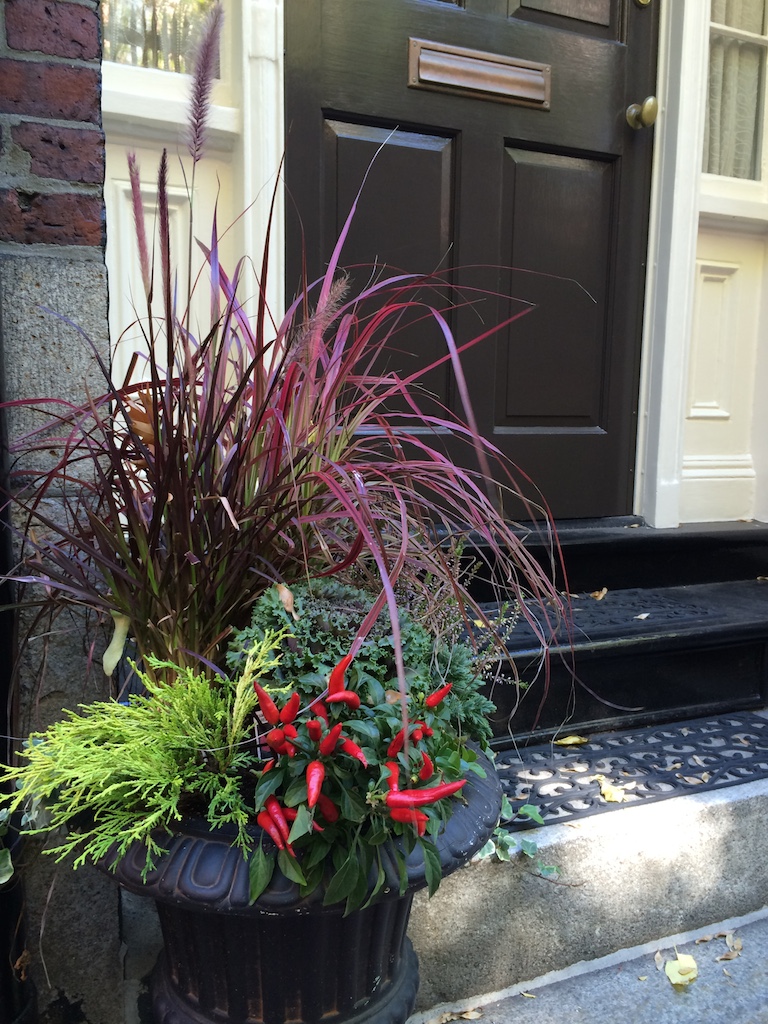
(572, 741)
(681, 971)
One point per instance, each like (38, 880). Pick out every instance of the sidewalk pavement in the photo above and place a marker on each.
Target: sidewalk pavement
(631, 986)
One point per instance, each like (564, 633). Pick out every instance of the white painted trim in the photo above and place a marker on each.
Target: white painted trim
(683, 56)
(262, 143)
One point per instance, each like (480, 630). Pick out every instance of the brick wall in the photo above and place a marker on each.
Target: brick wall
(51, 142)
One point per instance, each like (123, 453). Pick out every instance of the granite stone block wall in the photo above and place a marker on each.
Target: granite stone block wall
(52, 235)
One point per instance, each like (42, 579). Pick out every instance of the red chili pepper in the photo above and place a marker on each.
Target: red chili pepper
(267, 706)
(336, 678)
(344, 697)
(275, 811)
(426, 729)
(291, 732)
(422, 797)
(319, 709)
(290, 709)
(417, 735)
(434, 698)
(292, 812)
(315, 776)
(276, 739)
(315, 729)
(328, 743)
(396, 745)
(351, 748)
(327, 808)
(264, 821)
(393, 782)
(409, 816)
(269, 764)
(427, 768)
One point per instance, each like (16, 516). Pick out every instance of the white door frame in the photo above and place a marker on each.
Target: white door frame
(682, 84)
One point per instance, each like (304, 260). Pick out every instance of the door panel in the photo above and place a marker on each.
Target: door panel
(543, 204)
(558, 210)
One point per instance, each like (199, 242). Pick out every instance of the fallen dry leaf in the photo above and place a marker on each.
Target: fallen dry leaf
(704, 938)
(642, 977)
(643, 615)
(681, 971)
(734, 942)
(450, 1015)
(599, 594)
(659, 958)
(528, 995)
(693, 780)
(727, 972)
(572, 741)
(695, 759)
(286, 599)
(732, 954)
(608, 791)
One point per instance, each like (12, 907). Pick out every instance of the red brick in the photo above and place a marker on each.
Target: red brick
(49, 26)
(49, 90)
(52, 219)
(74, 154)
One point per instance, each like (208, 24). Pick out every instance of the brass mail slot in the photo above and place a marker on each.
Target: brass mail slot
(489, 76)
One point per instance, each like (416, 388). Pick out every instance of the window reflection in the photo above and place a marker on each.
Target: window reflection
(153, 33)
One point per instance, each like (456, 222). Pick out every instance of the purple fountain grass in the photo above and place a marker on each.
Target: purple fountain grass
(206, 62)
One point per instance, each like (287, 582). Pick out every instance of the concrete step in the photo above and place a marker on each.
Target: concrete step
(626, 878)
(632, 985)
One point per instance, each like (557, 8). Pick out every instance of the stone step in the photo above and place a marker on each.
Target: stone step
(632, 984)
(626, 877)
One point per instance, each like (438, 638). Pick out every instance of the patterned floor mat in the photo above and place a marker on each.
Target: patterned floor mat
(617, 769)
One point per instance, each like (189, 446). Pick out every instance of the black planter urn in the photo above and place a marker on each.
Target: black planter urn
(287, 959)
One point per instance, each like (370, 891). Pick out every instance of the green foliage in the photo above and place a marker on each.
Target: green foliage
(329, 615)
(113, 773)
(504, 845)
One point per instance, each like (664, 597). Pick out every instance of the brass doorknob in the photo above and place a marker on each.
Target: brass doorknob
(642, 115)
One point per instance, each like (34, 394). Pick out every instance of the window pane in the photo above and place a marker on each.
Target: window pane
(152, 33)
(734, 107)
(748, 15)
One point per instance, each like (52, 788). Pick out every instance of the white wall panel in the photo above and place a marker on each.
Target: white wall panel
(719, 474)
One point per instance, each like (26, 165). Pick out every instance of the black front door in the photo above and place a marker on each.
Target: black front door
(508, 149)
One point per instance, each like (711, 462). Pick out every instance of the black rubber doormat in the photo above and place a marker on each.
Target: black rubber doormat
(617, 769)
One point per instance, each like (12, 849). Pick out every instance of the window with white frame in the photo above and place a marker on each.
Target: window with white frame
(157, 34)
(734, 140)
